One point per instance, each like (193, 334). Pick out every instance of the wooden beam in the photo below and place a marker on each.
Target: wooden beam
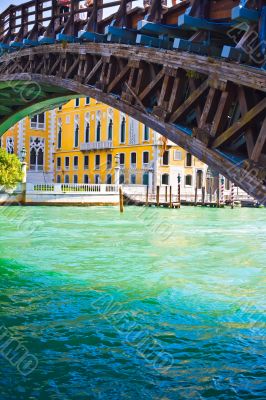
(240, 126)
(190, 102)
(245, 106)
(259, 143)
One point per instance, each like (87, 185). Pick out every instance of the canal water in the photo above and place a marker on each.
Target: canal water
(152, 304)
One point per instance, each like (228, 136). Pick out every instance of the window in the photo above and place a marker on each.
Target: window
(188, 180)
(58, 163)
(66, 178)
(227, 184)
(98, 131)
(109, 161)
(188, 160)
(97, 179)
(76, 162)
(146, 136)
(10, 145)
(145, 157)
(133, 179)
(38, 121)
(60, 108)
(75, 179)
(58, 179)
(110, 130)
(145, 179)
(166, 158)
(37, 154)
(66, 162)
(123, 130)
(133, 159)
(86, 162)
(87, 132)
(87, 101)
(177, 155)
(122, 158)
(165, 179)
(199, 178)
(121, 179)
(86, 179)
(97, 161)
(77, 102)
(59, 134)
(109, 179)
(76, 135)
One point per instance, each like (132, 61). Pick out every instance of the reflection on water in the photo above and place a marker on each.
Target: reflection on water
(152, 304)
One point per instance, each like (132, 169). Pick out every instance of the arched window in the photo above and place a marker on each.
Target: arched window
(165, 179)
(36, 154)
(98, 131)
(75, 179)
(66, 178)
(188, 180)
(10, 145)
(110, 130)
(122, 179)
(76, 132)
(97, 179)
(227, 184)
(145, 179)
(87, 132)
(109, 179)
(123, 130)
(58, 179)
(59, 136)
(199, 179)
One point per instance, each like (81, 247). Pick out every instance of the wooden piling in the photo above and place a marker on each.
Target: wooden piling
(171, 202)
(203, 196)
(196, 196)
(232, 195)
(166, 194)
(158, 196)
(147, 196)
(121, 199)
(218, 198)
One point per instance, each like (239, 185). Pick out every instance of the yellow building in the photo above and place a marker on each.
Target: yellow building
(82, 141)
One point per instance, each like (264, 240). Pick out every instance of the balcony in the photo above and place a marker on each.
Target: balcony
(96, 145)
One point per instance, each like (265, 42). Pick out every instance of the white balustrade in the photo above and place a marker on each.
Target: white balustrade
(108, 144)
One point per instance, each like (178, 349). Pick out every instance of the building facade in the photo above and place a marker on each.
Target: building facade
(83, 140)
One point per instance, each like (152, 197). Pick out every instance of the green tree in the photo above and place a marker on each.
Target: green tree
(10, 169)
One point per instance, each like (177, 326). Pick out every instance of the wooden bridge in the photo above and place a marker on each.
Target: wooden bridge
(195, 71)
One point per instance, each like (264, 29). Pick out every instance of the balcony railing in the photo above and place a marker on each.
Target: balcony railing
(108, 144)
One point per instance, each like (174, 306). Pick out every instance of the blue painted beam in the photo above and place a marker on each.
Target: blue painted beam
(198, 48)
(61, 37)
(16, 45)
(92, 37)
(236, 54)
(151, 28)
(28, 42)
(120, 35)
(187, 22)
(243, 14)
(46, 40)
(154, 42)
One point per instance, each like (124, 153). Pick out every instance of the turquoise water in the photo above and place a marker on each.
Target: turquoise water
(152, 304)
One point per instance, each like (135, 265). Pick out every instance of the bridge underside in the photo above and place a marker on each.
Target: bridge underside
(211, 108)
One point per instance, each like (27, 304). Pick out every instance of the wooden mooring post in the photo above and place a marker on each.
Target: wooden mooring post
(166, 194)
(203, 196)
(171, 202)
(147, 196)
(121, 199)
(196, 196)
(232, 195)
(158, 196)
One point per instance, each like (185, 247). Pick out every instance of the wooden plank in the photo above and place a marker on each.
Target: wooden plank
(244, 14)
(245, 106)
(154, 42)
(198, 48)
(187, 22)
(259, 143)
(221, 116)
(240, 126)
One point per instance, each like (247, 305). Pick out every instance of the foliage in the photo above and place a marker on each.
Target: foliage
(10, 169)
